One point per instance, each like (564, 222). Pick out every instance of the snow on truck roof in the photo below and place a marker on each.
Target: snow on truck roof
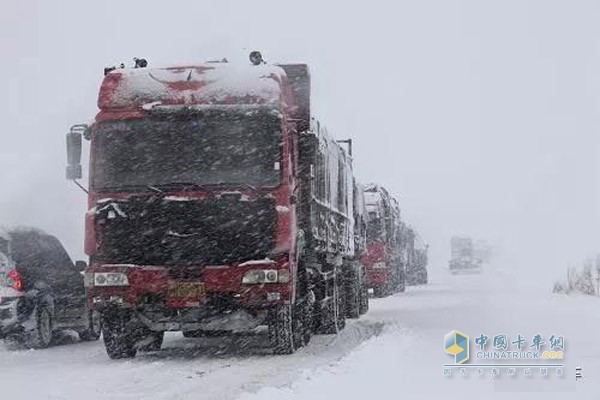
(208, 83)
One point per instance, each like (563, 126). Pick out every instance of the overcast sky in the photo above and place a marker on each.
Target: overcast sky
(482, 116)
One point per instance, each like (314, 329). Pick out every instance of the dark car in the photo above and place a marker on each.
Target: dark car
(41, 290)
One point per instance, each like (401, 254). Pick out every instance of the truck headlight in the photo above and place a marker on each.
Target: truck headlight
(88, 279)
(379, 265)
(110, 279)
(255, 276)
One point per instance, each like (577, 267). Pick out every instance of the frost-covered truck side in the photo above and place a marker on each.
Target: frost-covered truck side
(216, 203)
(386, 256)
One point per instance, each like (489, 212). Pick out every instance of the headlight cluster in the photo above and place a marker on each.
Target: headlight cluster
(379, 265)
(108, 279)
(255, 276)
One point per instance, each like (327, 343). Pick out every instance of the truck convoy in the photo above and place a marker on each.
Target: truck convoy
(463, 257)
(218, 204)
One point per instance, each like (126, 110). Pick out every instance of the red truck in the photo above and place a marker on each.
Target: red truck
(385, 259)
(217, 204)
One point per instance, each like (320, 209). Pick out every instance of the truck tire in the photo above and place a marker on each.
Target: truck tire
(380, 291)
(118, 337)
(333, 315)
(306, 319)
(281, 329)
(423, 278)
(41, 336)
(364, 297)
(401, 283)
(353, 296)
(94, 328)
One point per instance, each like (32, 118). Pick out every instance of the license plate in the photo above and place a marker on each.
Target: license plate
(185, 294)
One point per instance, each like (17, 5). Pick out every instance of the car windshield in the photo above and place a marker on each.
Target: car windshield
(216, 148)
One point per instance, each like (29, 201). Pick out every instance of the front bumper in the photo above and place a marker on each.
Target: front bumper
(148, 289)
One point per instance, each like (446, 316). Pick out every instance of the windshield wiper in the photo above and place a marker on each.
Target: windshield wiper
(179, 186)
(233, 185)
(154, 188)
(128, 188)
(220, 185)
(162, 187)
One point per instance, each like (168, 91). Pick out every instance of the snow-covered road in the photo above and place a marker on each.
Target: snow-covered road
(393, 352)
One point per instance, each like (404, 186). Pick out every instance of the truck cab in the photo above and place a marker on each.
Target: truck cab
(214, 197)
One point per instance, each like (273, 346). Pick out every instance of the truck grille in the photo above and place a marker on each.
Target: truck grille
(159, 230)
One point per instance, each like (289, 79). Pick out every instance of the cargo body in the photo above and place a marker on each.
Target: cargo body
(217, 204)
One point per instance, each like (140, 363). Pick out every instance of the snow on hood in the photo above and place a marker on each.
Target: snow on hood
(201, 84)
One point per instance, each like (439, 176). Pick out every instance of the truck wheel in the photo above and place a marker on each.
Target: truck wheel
(353, 296)
(118, 337)
(307, 323)
(423, 278)
(380, 291)
(341, 304)
(333, 315)
(94, 328)
(401, 284)
(281, 329)
(156, 341)
(41, 336)
(364, 298)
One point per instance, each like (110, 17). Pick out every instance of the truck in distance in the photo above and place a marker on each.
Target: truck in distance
(463, 259)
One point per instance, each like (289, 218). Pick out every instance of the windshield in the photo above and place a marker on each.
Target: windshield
(217, 148)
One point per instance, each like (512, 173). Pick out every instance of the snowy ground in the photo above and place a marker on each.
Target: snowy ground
(394, 352)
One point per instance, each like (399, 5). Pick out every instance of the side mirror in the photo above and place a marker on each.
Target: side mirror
(80, 265)
(74, 151)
